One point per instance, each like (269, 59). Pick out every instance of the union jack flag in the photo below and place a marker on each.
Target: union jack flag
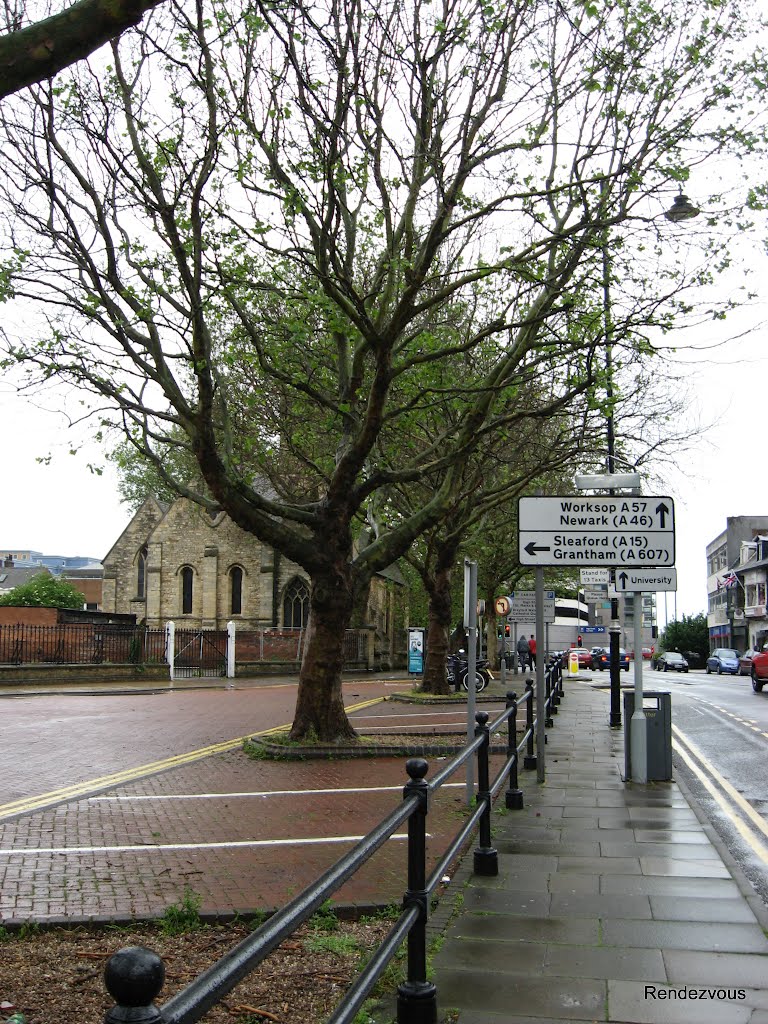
(729, 580)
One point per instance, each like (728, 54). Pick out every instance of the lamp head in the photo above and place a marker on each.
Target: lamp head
(682, 209)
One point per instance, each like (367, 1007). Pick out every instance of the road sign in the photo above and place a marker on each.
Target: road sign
(645, 580)
(591, 596)
(522, 606)
(636, 531)
(598, 576)
(593, 629)
(502, 605)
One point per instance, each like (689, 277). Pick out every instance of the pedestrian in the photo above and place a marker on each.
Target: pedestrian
(532, 650)
(523, 651)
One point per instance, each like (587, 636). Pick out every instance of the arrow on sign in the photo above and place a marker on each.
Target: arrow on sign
(623, 577)
(663, 511)
(532, 548)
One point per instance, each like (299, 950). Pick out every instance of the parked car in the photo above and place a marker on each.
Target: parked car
(745, 662)
(759, 670)
(604, 661)
(671, 661)
(596, 652)
(723, 659)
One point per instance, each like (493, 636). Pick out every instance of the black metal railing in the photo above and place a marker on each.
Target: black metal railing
(80, 644)
(134, 976)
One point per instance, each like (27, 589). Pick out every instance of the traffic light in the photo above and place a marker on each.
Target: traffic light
(578, 641)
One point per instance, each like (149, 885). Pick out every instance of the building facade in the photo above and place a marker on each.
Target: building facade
(736, 584)
(177, 563)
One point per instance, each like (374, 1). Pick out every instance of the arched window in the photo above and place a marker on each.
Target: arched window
(187, 580)
(235, 590)
(296, 604)
(141, 574)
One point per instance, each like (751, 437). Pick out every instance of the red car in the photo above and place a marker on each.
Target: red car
(759, 670)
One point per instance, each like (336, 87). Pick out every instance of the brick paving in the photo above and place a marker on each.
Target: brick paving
(213, 825)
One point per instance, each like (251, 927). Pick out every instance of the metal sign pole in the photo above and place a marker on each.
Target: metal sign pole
(638, 727)
(541, 713)
(470, 608)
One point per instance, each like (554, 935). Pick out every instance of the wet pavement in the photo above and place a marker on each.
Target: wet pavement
(613, 902)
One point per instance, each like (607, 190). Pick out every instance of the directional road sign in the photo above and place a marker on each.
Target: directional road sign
(522, 606)
(645, 580)
(636, 531)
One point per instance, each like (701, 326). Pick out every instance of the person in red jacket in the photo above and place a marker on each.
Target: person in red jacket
(532, 650)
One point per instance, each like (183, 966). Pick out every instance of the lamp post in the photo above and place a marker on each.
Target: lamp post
(681, 210)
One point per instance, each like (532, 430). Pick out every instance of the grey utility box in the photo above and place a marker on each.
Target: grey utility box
(657, 709)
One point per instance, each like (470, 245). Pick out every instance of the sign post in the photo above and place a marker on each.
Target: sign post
(470, 624)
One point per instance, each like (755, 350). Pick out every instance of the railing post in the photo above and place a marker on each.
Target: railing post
(514, 795)
(417, 997)
(548, 709)
(555, 685)
(133, 977)
(486, 859)
(529, 760)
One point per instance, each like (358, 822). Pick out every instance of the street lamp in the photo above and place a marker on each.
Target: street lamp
(682, 209)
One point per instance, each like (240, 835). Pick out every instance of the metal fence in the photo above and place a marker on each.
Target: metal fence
(134, 976)
(95, 644)
(81, 644)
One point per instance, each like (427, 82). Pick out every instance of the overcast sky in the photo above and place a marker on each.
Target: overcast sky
(62, 508)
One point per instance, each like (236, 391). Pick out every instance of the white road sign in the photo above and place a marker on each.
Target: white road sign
(635, 531)
(592, 576)
(645, 580)
(522, 606)
(595, 595)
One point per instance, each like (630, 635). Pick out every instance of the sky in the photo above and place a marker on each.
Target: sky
(63, 508)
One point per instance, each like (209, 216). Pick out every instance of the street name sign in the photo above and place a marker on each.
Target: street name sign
(634, 531)
(645, 580)
(522, 606)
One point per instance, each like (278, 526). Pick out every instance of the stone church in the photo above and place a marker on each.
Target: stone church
(176, 562)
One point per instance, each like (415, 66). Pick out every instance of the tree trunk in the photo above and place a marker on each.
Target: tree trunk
(439, 591)
(320, 713)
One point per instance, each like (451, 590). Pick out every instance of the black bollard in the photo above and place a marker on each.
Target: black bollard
(134, 977)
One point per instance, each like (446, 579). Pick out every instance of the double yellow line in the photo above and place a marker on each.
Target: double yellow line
(25, 805)
(738, 809)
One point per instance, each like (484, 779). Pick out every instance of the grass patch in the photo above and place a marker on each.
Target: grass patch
(184, 916)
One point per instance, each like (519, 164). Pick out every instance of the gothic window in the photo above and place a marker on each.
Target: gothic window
(187, 579)
(296, 604)
(141, 574)
(235, 590)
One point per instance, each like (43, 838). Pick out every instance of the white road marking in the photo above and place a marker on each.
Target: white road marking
(259, 793)
(155, 847)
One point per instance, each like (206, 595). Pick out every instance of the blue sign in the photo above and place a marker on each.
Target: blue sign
(415, 651)
(593, 629)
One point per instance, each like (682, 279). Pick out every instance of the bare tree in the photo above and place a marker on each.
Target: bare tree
(356, 195)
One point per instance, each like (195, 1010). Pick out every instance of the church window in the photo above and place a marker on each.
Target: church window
(236, 590)
(141, 574)
(187, 579)
(296, 605)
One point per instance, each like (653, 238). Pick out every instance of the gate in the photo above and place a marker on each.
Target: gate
(200, 653)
